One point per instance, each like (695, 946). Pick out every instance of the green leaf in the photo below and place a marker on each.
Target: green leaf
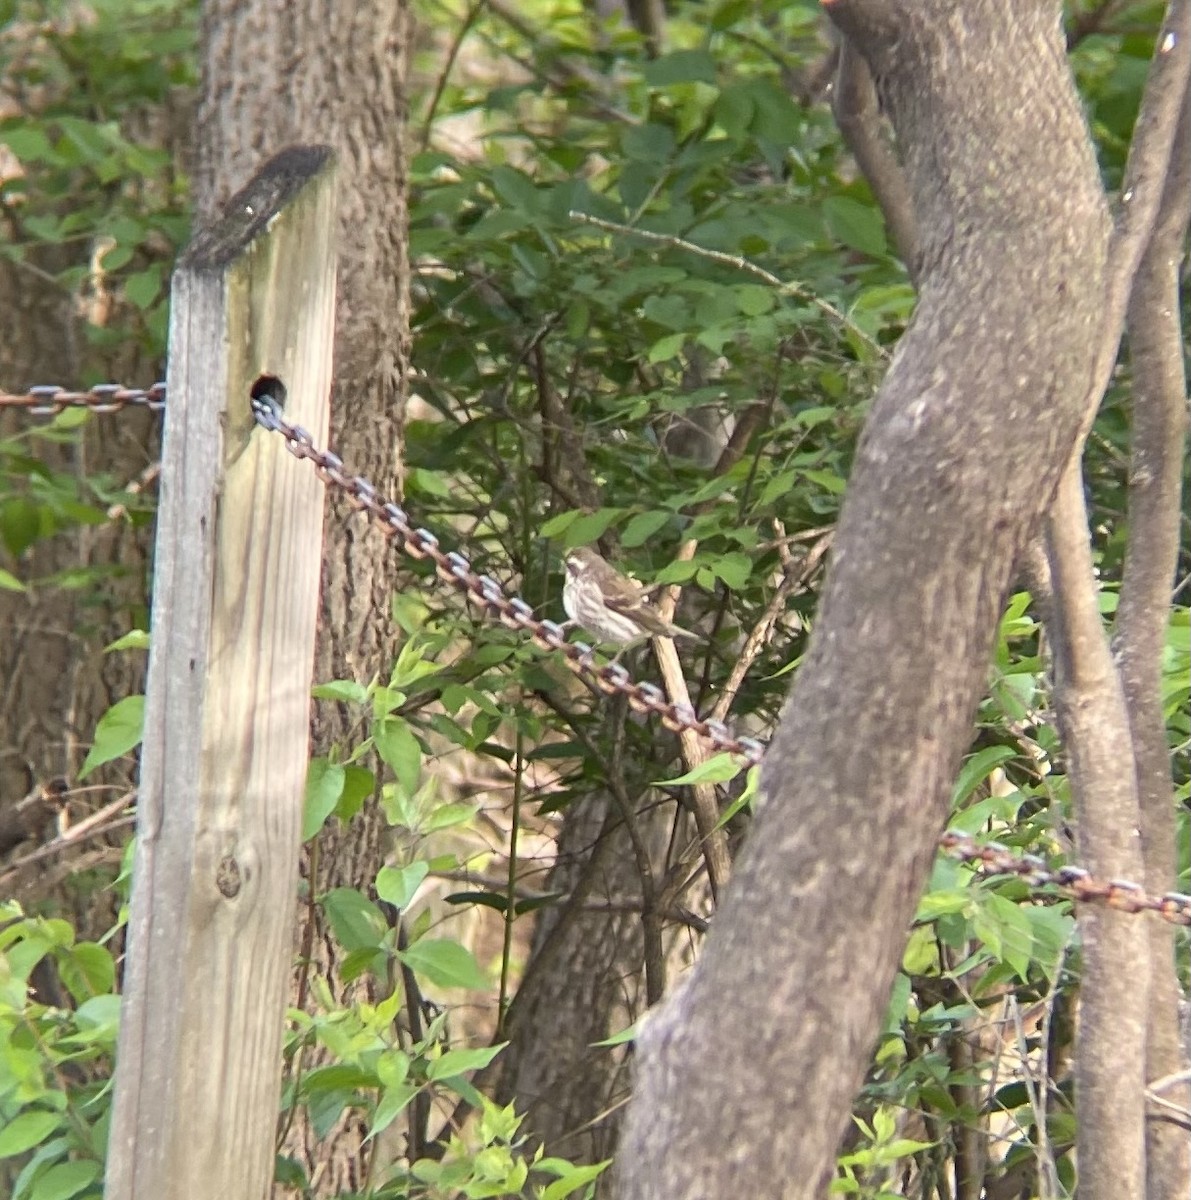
(515, 188)
(64, 1180)
(119, 730)
(666, 348)
(100, 1014)
(143, 287)
(87, 969)
(899, 1000)
(324, 786)
(734, 108)
(447, 816)
(487, 899)
(393, 1101)
(445, 963)
(29, 144)
(651, 143)
(456, 1062)
(397, 885)
(717, 769)
(903, 1148)
(26, 1130)
(619, 1039)
(744, 800)
(590, 526)
(571, 1178)
(134, 639)
(753, 299)
(20, 524)
(682, 66)
(1005, 930)
(677, 572)
(9, 582)
(560, 523)
(734, 569)
(399, 749)
(642, 527)
(940, 903)
(344, 691)
(358, 785)
(355, 920)
(856, 225)
(827, 480)
(1053, 930)
(978, 768)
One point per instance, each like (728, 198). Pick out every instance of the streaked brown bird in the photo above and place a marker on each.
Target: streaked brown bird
(609, 606)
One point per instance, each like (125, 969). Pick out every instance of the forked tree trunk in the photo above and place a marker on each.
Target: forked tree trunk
(321, 71)
(746, 1074)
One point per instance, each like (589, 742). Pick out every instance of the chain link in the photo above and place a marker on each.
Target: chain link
(513, 612)
(994, 859)
(49, 400)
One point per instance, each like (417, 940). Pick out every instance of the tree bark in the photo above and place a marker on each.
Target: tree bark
(318, 71)
(1115, 976)
(968, 437)
(585, 968)
(58, 680)
(1159, 435)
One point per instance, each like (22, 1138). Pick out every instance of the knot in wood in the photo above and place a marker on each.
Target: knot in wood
(227, 876)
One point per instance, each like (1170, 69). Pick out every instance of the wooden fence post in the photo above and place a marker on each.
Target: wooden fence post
(235, 602)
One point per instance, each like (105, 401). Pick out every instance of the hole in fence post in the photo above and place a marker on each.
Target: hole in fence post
(271, 386)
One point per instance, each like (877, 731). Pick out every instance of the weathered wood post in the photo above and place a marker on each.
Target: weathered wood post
(235, 601)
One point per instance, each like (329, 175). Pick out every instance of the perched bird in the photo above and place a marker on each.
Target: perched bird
(609, 606)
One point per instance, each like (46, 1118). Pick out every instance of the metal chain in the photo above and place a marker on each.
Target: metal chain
(49, 400)
(513, 612)
(994, 859)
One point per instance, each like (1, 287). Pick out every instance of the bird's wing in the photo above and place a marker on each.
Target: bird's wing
(623, 595)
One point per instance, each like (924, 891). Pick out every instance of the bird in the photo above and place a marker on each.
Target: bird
(609, 606)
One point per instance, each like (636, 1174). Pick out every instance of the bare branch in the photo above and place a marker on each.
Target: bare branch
(1094, 722)
(794, 576)
(1155, 484)
(1090, 698)
(857, 113)
(799, 290)
(1146, 170)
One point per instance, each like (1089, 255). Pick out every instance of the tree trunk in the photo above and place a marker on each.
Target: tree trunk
(582, 986)
(968, 436)
(317, 71)
(58, 680)
(1159, 429)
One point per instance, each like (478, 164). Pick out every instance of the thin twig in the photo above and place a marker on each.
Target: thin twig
(761, 632)
(798, 290)
(854, 105)
(96, 825)
(440, 84)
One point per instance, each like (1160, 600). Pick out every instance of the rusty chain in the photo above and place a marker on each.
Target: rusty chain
(49, 400)
(513, 612)
(994, 859)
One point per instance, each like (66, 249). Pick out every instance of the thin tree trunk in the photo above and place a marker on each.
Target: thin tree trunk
(584, 984)
(1155, 485)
